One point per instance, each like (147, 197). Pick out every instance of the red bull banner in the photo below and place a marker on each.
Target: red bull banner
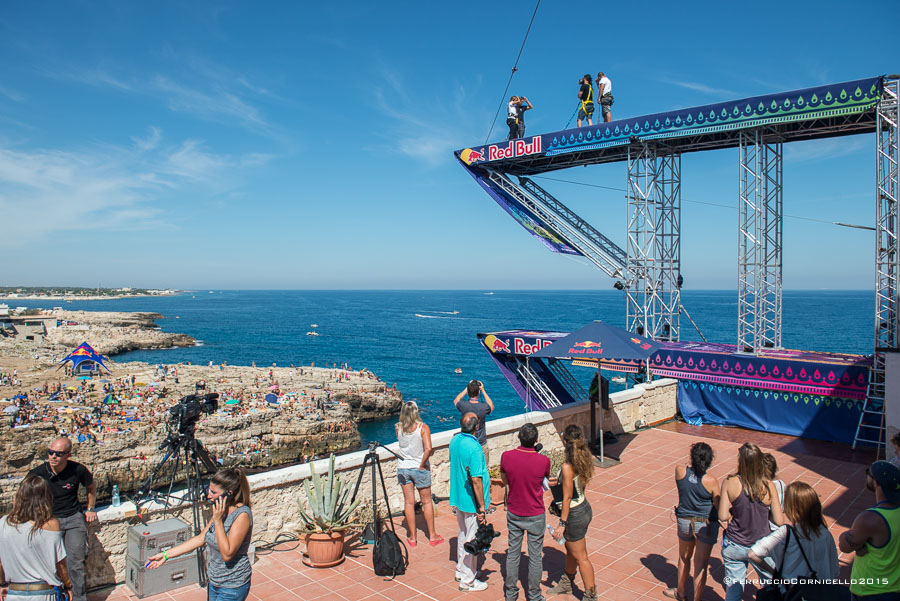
(519, 342)
(528, 219)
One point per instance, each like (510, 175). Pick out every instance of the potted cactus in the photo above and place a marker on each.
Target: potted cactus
(330, 515)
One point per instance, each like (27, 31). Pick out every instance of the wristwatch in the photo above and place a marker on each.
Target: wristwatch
(563, 523)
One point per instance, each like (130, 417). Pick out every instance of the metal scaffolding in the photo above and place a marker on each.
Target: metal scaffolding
(653, 305)
(760, 235)
(887, 258)
(565, 223)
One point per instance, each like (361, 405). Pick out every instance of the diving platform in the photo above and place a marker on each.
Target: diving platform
(648, 267)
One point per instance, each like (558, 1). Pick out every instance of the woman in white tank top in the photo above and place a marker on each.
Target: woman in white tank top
(414, 471)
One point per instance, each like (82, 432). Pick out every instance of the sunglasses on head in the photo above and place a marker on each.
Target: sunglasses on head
(57, 453)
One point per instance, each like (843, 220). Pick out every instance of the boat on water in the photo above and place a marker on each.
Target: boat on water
(458, 370)
(619, 379)
(312, 333)
(314, 325)
(489, 294)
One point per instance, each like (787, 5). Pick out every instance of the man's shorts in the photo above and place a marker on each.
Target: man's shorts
(704, 532)
(586, 110)
(421, 478)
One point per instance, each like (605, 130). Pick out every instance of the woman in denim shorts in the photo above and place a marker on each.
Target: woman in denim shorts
(414, 471)
(697, 516)
(576, 514)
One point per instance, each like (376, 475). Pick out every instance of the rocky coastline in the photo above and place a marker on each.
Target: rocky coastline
(316, 413)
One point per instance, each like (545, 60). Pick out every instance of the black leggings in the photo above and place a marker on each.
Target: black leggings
(513, 128)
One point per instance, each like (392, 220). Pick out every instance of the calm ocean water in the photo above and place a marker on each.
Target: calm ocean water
(379, 330)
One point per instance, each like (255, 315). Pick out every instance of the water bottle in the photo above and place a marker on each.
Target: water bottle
(559, 540)
(116, 501)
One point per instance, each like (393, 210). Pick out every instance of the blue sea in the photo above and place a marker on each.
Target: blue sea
(380, 331)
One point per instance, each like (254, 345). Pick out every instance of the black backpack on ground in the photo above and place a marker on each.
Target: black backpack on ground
(389, 557)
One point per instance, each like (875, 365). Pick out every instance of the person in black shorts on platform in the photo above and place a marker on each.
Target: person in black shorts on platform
(64, 477)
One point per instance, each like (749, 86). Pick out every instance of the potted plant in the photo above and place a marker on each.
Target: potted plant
(330, 515)
(498, 491)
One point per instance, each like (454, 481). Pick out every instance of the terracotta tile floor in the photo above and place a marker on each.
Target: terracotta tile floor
(631, 539)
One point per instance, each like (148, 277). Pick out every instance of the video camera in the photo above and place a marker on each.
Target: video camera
(184, 415)
(484, 536)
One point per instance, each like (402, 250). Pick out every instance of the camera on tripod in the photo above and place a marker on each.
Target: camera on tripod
(185, 414)
(484, 536)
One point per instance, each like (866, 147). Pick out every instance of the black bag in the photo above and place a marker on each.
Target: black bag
(389, 557)
(556, 504)
(802, 591)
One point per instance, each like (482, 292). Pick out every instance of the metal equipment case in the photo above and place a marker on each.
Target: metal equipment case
(145, 540)
(174, 573)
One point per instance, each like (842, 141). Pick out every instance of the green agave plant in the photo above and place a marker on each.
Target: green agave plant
(329, 502)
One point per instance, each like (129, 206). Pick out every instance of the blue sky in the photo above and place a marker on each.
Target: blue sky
(299, 145)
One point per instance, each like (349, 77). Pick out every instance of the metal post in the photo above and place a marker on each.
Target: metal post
(887, 246)
(760, 234)
(653, 305)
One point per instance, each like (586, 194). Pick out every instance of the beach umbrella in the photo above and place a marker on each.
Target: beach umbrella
(272, 398)
(598, 340)
(84, 377)
(273, 387)
(19, 396)
(232, 402)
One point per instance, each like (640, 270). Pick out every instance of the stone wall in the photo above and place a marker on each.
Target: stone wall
(276, 492)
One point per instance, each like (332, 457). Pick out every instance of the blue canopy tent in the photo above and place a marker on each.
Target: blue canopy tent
(84, 359)
(596, 340)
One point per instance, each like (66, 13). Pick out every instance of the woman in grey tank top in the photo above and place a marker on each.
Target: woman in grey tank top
(227, 537)
(696, 516)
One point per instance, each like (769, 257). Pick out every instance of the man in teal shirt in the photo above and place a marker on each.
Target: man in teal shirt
(466, 452)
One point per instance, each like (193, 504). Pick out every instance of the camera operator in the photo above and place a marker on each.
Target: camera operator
(466, 454)
(523, 471)
(65, 477)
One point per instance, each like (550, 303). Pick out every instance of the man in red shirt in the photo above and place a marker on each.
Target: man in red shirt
(523, 471)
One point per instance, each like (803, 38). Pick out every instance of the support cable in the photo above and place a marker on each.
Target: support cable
(514, 69)
(709, 204)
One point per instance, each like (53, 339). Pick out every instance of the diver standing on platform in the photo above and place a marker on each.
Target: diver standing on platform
(515, 117)
(586, 96)
(604, 96)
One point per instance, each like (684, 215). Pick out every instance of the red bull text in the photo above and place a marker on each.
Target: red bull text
(516, 148)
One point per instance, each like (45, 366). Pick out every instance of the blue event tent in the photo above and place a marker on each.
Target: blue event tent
(85, 353)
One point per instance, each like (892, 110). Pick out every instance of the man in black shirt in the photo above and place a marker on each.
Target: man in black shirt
(64, 477)
(586, 99)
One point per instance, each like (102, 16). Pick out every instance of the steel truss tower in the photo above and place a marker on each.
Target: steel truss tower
(760, 233)
(887, 257)
(653, 305)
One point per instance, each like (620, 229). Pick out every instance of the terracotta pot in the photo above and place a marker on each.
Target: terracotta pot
(324, 549)
(497, 491)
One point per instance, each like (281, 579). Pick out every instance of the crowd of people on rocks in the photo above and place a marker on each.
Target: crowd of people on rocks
(88, 410)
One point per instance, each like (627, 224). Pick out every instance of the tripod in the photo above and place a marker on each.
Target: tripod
(373, 460)
(183, 451)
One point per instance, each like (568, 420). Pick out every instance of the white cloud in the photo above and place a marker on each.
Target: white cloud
(11, 94)
(150, 142)
(50, 191)
(696, 86)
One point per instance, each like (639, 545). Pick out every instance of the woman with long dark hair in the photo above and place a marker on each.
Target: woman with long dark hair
(32, 553)
(576, 514)
(414, 470)
(748, 502)
(697, 517)
(226, 536)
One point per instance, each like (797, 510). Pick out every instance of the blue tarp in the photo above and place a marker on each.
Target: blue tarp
(807, 415)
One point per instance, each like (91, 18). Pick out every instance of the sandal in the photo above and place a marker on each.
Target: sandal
(672, 593)
(436, 541)
(411, 542)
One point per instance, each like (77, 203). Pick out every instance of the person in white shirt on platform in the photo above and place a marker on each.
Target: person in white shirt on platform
(604, 96)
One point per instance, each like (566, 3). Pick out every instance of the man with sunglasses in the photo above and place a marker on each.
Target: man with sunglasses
(64, 477)
(875, 537)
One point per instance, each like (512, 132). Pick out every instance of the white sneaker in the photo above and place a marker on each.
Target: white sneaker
(477, 585)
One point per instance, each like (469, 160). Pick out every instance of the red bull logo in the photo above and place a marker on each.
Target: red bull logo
(521, 347)
(495, 345)
(643, 345)
(516, 148)
(586, 347)
(80, 352)
(469, 156)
